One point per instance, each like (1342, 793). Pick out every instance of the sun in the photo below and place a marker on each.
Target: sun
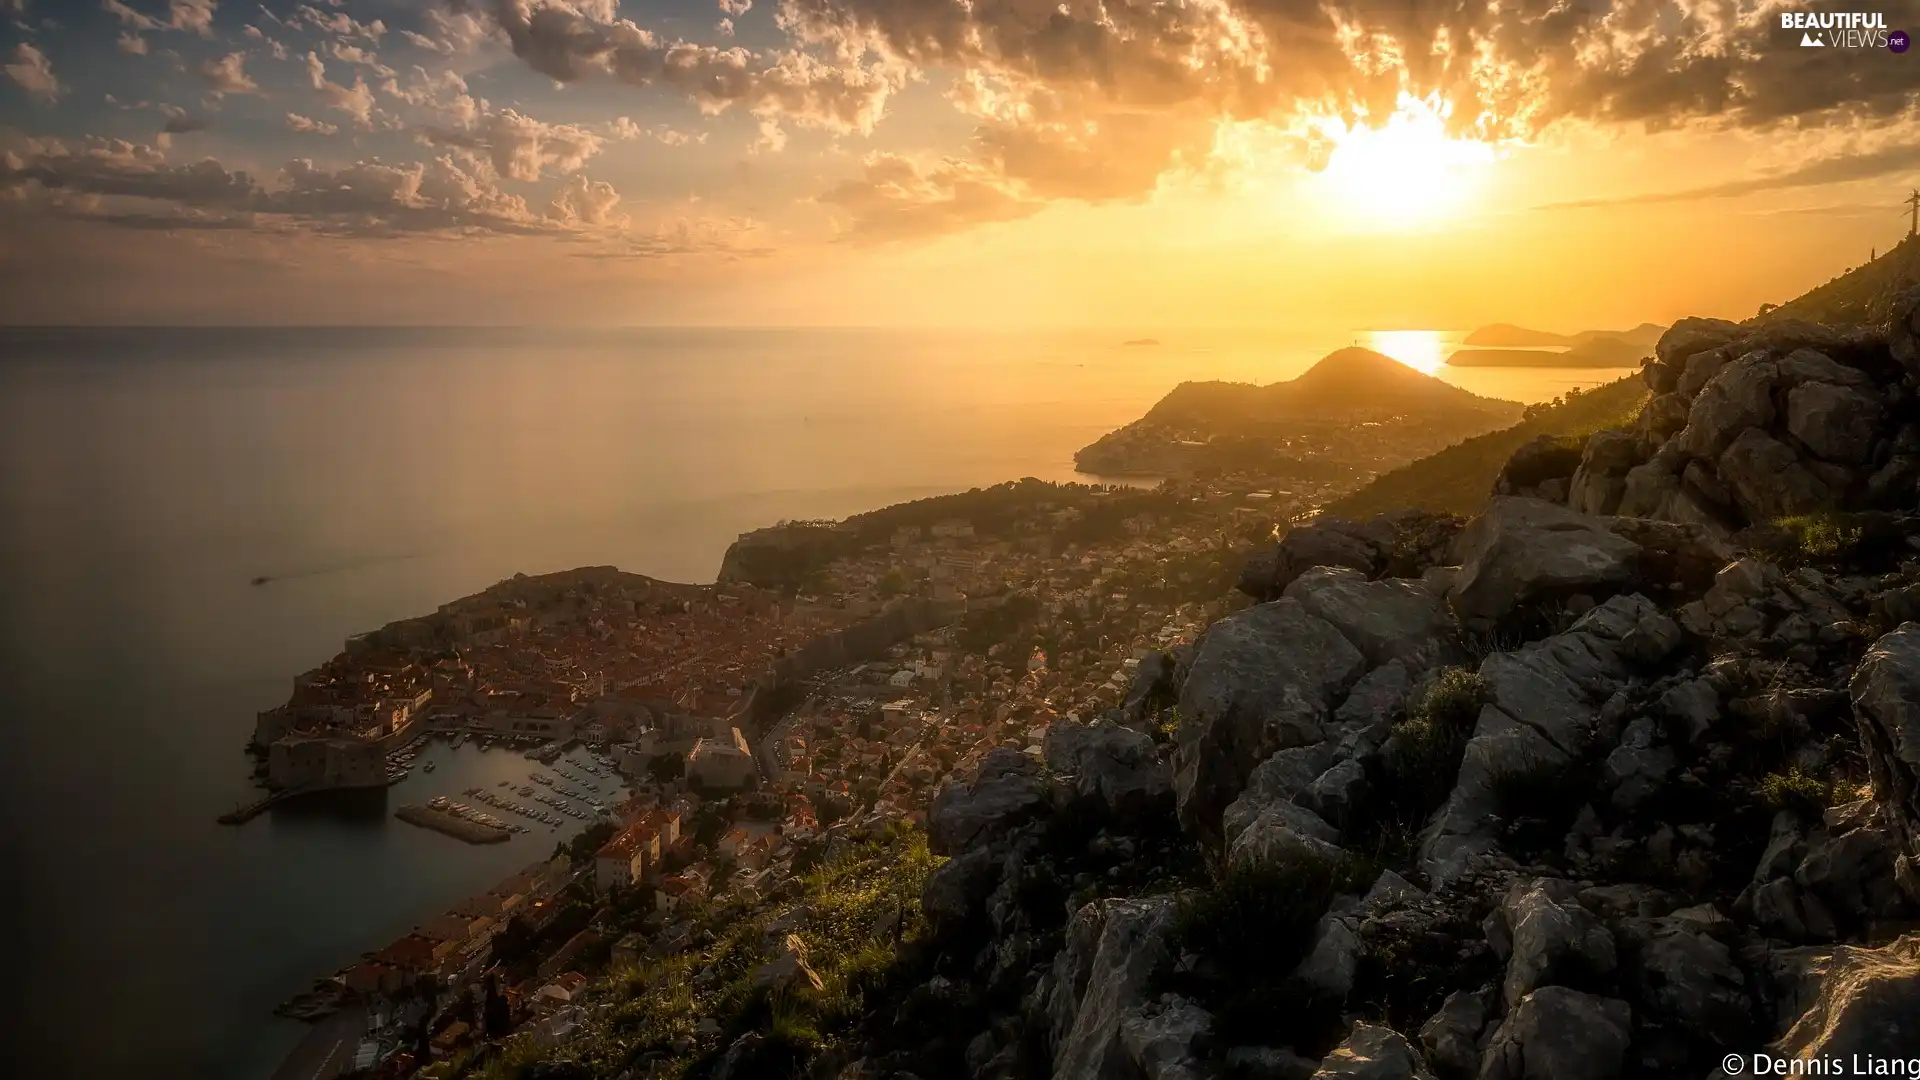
(1405, 172)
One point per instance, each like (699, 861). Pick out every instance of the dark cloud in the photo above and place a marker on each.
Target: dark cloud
(1839, 169)
(897, 198)
(572, 40)
(122, 183)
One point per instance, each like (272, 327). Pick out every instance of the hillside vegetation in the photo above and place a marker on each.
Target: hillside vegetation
(1459, 478)
(1862, 295)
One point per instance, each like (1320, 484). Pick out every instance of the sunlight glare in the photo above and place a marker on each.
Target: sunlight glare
(1421, 350)
(1406, 172)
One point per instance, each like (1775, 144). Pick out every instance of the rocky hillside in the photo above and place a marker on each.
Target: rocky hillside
(1460, 478)
(1611, 780)
(1864, 295)
(1342, 413)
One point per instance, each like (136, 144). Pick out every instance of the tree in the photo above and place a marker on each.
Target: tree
(893, 584)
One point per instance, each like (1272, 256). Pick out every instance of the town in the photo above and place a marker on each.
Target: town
(728, 737)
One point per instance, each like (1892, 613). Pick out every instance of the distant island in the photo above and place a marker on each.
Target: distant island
(1353, 414)
(1509, 336)
(1141, 341)
(1506, 345)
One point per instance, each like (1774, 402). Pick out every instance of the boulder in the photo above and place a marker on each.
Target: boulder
(1451, 1036)
(1333, 959)
(1658, 377)
(1545, 699)
(1638, 768)
(1601, 479)
(1551, 936)
(1693, 708)
(788, 972)
(1285, 834)
(1648, 487)
(1543, 459)
(956, 892)
(1886, 703)
(1839, 423)
(1005, 791)
(1803, 366)
(1269, 1063)
(1856, 1003)
(1700, 368)
(1520, 551)
(1692, 335)
(1113, 768)
(1385, 620)
(1373, 1052)
(1133, 944)
(1152, 680)
(1683, 974)
(1262, 680)
(1662, 418)
(1162, 1038)
(1560, 1034)
(1768, 480)
(1738, 397)
(1282, 778)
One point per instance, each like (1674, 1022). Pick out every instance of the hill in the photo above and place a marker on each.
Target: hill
(1352, 414)
(1459, 478)
(1862, 295)
(1346, 381)
(1599, 352)
(1509, 336)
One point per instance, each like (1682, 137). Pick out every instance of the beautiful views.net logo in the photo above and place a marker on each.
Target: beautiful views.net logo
(1844, 30)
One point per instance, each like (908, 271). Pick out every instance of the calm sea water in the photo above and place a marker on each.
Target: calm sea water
(146, 476)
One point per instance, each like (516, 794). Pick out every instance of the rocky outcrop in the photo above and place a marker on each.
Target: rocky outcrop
(1386, 620)
(1262, 680)
(1116, 769)
(1402, 544)
(1560, 1034)
(1005, 791)
(1851, 1002)
(1886, 698)
(1373, 1052)
(1096, 992)
(1545, 700)
(1526, 551)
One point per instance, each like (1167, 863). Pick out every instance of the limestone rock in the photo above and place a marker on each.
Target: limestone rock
(1113, 767)
(1285, 834)
(1385, 619)
(1333, 958)
(1282, 778)
(1858, 1002)
(1262, 680)
(1767, 478)
(1452, 1035)
(1132, 945)
(1691, 335)
(1684, 974)
(1560, 1034)
(1638, 768)
(788, 971)
(956, 892)
(1540, 461)
(1886, 700)
(1521, 550)
(1162, 1039)
(1550, 933)
(1836, 422)
(1373, 1052)
(1738, 397)
(1005, 791)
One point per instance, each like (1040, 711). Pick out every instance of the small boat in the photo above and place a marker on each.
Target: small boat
(428, 766)
(262, 580)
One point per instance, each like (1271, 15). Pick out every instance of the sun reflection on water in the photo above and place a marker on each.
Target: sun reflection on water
(1422, 350)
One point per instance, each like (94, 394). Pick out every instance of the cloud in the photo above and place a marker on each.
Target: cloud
(1903, 157)
(356, 101)
(33, 72)
(729, 239)
(735, 8)
(335, 22)
(296, 122)
(118, 183)
(132, 44)
(228, 75)
(179, 122)
(897, 198)
(519, 147)
(190, 15)
(624, 129)
(572, 40)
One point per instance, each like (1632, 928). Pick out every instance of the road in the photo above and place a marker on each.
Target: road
(327, 1050)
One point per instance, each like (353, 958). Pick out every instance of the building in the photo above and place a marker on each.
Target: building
(306, 761)
(632, 853)
(728, 764)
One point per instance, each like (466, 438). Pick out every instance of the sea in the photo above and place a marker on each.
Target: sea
(147, 476)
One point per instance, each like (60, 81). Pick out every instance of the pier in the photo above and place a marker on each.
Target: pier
(240, 815)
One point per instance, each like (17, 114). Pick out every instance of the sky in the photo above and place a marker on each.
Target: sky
(1301, 164)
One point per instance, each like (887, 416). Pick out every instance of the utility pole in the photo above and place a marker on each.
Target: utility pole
(1913, 224)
